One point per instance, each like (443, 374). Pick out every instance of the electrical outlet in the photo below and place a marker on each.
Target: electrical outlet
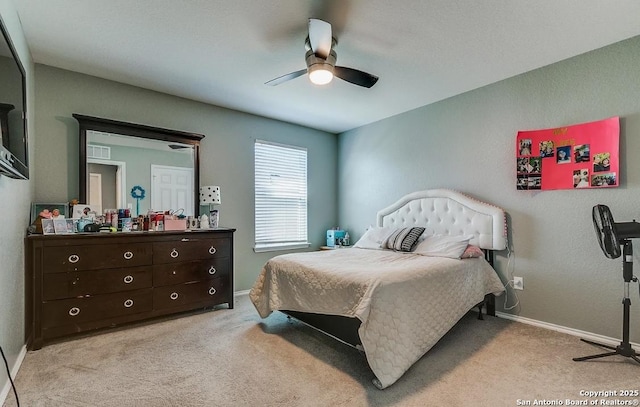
(518, 283)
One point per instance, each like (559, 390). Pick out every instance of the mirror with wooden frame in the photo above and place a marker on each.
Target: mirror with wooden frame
(143, 168)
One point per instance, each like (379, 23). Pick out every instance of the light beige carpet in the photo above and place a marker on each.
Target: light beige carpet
(234, 358)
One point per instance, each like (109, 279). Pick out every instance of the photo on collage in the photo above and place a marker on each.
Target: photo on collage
(563, 155)
(525, 147)
(546, 149)
(601, 162)
(603, 180)
(581, 153)
(581, 178)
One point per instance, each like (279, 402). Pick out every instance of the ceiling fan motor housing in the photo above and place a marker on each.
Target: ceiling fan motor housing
(315, 62)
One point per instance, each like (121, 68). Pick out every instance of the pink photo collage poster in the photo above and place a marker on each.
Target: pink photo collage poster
(580, 156)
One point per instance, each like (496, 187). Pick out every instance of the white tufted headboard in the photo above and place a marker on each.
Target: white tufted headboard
(447, 212)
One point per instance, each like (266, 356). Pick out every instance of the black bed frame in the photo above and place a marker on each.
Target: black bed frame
(345, 329)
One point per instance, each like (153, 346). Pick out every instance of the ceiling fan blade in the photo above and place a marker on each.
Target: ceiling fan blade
(287, 77)
(355, 76)
(320, 37)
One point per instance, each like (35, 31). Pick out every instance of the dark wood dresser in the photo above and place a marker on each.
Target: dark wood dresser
(80, 282)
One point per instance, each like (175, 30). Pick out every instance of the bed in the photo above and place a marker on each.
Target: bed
(392, 305)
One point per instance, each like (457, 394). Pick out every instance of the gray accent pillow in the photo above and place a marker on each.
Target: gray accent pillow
(404, 239)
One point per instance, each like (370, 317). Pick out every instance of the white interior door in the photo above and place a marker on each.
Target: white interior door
(172, 188)
(95, 192)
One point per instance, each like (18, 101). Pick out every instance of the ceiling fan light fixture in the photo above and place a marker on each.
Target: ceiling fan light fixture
(320, 74)
(321, 60)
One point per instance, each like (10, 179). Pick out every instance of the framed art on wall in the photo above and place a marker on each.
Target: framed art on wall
(581, 156)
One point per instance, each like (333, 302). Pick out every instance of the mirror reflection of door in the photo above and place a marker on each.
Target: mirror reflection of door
(105, 185)
(134, 157)
(172, 188)
(95, 191)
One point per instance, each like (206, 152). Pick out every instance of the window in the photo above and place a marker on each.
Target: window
(281, 197)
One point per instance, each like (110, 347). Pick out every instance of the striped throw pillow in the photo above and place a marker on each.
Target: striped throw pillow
(404, 239)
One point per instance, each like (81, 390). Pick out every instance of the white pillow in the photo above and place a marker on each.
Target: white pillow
(374, 238)
(443, 246)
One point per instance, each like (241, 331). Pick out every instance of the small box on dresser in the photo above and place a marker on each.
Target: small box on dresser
(82, 282)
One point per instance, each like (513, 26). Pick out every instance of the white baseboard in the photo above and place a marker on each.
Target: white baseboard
(243, 292)
(570, 331)
(14, 372)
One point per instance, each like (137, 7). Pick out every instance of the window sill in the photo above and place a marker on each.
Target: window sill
(280, 246)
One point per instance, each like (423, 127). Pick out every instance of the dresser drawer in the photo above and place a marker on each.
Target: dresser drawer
(77, 310)
(212, 291)
(79, 283)
(94, 257)
(189, 248)
(177, 273)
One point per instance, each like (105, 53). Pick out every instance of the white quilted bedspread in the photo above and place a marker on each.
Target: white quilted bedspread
(406, 302)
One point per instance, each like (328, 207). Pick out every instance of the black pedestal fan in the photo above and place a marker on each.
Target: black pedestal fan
(611, 236)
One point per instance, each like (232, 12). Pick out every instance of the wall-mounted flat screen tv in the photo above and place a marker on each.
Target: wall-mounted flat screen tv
(14, 152)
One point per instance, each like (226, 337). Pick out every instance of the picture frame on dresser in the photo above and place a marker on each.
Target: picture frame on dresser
(60, 226)
(48, 227)
(37, 207)
(82, 210)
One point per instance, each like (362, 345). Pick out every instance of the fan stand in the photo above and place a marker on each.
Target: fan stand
(624, 349)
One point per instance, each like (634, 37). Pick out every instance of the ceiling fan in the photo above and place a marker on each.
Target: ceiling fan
(321, 60)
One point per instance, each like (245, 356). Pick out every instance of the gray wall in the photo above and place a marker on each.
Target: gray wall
(467, 143)
(226, 151)
(15, 199)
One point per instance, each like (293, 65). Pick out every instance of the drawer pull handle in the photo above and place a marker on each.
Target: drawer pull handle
(74, 311)
(174, 296)
(174, 253)
(128, 279)
(173, 272)
(212, 291)
(74, 258)
(128, 303)
(212, 270)
(212, 250)
(128, 255)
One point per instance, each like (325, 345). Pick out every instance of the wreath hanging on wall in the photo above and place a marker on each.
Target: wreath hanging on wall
(137, 193)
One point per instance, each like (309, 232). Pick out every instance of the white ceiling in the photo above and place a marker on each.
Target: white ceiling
(223, 51)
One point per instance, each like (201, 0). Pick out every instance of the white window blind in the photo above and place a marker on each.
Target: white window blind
(280, 196)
